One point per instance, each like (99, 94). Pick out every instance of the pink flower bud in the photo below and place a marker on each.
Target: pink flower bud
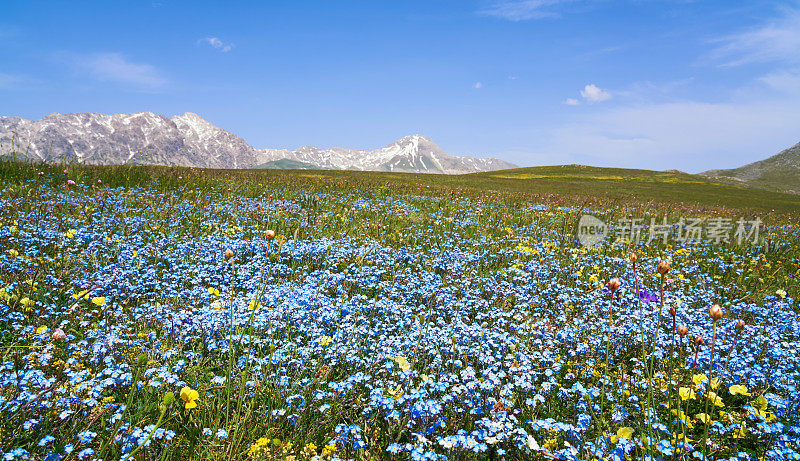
(634, 258)
(70, 182)
(228, 253)
(715, 312)
(698, 340)
(672, 311)
(739, 325)
(614, 284)
(269, 234)
(59, 335)
(683, 330)
(663, 267)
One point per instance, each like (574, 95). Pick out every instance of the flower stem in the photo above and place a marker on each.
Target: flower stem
(708, 389)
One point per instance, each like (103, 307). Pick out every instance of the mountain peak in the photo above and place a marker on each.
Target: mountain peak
(192, 116)
(417, 139)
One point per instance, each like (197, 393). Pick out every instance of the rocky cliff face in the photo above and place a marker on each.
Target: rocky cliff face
(141, 137)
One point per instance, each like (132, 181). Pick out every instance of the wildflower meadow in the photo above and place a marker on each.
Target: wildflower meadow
(164, 313)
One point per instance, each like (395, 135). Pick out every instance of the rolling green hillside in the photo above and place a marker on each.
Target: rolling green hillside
(286, 164)
(780, 172)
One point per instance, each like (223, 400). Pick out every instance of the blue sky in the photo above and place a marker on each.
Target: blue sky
(651, 84)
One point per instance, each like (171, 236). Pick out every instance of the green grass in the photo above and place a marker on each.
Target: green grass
(568, 185)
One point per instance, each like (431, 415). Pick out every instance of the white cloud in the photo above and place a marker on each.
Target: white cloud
(592, 93)
(477, 85)
(785, 81)
(216, 43)
(521, 10)
(691, 136)
(777, 41)
(572, 102)
(9, 81)
(113, 67)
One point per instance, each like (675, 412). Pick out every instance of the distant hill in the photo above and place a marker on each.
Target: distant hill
(189, 140)
(780, 172)
(286, 164)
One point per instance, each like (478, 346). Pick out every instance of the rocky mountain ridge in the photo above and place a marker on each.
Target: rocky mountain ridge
(189, 140)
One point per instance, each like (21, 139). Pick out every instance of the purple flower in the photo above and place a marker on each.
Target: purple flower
(648, 297)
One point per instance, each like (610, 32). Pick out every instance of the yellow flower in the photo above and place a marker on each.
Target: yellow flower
(738, 389)
(189, 396)
(99, 301)
(254, 305)
(402, 363)
(623, 433)
(259, 447)
(213, 291)
(328, 450)
(715, 383)
(396, 393)
(781, 293)
(715, 399)
(79, 295)
(71, 233)
(325, 340)
(686, 393)
(27, 303)
(41, 329)
(699, 378)
(13, 253)
(704, 418)
(760, 405)
(679, 438)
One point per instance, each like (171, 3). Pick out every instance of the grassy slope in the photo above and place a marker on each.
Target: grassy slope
(780, 172)
(564, 185)
(579, 185)
(287, 164)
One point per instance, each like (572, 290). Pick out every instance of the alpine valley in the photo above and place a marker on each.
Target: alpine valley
(189, 140)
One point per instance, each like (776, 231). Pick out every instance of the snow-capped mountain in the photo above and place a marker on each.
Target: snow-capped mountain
(411, 154)
(141, 137)
(189, 140)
